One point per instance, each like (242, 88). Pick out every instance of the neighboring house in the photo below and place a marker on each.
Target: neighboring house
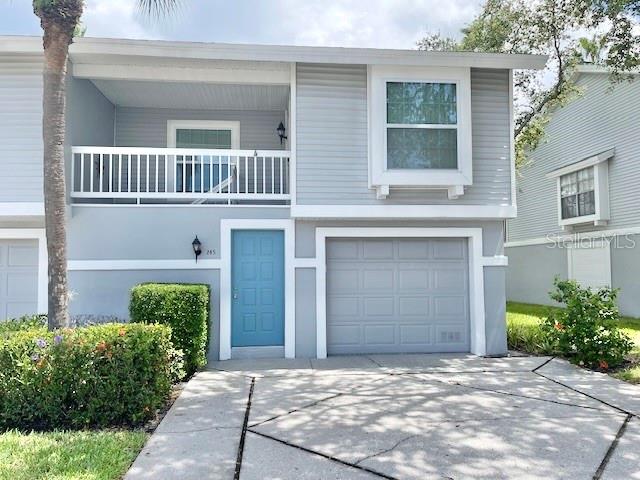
(374, 225)
(578, 198)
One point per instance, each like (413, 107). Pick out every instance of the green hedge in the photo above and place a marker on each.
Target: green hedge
(185, 307)
(98, 376)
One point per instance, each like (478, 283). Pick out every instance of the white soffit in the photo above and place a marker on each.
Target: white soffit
(202, 96)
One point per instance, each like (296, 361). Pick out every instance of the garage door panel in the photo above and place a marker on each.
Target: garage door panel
(415, 334)
(454, 249)
(417, 306)
(450, 306)
(377, 304)
(411, 278)
(377, 250)
(18, 256)
(18, 278)
(344, 306)
(379, 335)
(343, 280)
(345, 335)
(378, 279)
(413, 250)
(450, 279)
(345, 249)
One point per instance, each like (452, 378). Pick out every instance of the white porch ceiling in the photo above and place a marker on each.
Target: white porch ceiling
(203, 96)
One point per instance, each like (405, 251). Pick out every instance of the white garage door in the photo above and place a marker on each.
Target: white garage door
(397, 295)
(18, 278)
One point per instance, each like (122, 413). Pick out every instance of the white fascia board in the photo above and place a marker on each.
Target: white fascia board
(21, 209)
(426, 212)
(100, 49)
(166, 73)
(21, 44)
(600, 69)
(587, 162)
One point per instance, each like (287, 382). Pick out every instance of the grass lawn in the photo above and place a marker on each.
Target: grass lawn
(523, 334)
(91, 455)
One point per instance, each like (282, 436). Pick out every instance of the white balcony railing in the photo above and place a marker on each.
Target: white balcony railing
(179, 174)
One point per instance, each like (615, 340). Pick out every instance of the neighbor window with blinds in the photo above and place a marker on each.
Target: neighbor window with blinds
(577, 194)
(422, 125)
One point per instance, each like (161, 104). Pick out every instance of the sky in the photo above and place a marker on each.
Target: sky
(346, 23)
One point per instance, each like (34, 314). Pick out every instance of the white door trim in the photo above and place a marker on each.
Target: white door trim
(38, 234)
(226, 227)
(476, 274)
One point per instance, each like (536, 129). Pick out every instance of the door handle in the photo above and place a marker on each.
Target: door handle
(235, 294)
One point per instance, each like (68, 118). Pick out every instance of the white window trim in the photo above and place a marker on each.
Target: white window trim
(476, 274)
(600, 166)
(453, 179)
(227, 226)
(234, 126)
(38, 234)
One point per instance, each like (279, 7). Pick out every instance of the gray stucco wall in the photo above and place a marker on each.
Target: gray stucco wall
(152, 233)
(332, 145)
(147, 127)
(20, 128)
(532, 270)
(107, 293)
(600, 119)
(89, 115)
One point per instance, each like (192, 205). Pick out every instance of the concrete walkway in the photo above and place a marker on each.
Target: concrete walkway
(397, 417)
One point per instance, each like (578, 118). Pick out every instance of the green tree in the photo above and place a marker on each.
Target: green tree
(60, 20)
(553, 28)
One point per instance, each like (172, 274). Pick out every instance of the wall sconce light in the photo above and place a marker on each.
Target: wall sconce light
(281, 132)
(197, 247)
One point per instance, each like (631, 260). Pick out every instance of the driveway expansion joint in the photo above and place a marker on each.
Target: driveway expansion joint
(509, 394)
(612, 448)
(312, 404)
(621, 410)
(543, 364)
(236, 475)
(324, 455)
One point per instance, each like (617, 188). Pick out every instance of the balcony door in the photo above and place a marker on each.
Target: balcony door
(193, 173)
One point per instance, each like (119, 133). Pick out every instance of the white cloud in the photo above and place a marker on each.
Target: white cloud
(359, 23)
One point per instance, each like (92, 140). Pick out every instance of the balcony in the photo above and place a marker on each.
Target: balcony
(140, 175)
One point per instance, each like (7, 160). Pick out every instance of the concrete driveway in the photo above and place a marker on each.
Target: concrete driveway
(397, 416)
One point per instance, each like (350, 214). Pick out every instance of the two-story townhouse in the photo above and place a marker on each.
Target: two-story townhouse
(346, 200)
(578, 197)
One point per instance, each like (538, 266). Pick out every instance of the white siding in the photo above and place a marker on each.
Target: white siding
(20, 129)
(147, 127)
(332, 164)
(600, 119)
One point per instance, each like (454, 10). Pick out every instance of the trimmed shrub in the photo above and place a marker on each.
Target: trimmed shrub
(27, 322)
(98, 376)
(585, 331)
(185, 307)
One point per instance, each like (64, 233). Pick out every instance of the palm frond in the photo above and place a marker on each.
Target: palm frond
(158, 8)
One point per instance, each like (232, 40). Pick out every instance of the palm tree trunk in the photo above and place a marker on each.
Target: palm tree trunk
(56, 51)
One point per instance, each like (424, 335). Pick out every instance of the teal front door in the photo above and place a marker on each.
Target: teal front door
(257, 281)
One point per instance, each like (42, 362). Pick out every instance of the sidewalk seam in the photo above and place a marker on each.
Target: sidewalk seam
(236, 475)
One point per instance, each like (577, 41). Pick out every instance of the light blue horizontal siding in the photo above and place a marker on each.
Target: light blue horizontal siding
(147, 127)
(20, 129)
(600, 119)
(332, 143)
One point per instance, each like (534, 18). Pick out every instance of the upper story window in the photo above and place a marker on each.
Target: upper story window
(422, 123)
(420, 128)
(583, 190)
(577, 194)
